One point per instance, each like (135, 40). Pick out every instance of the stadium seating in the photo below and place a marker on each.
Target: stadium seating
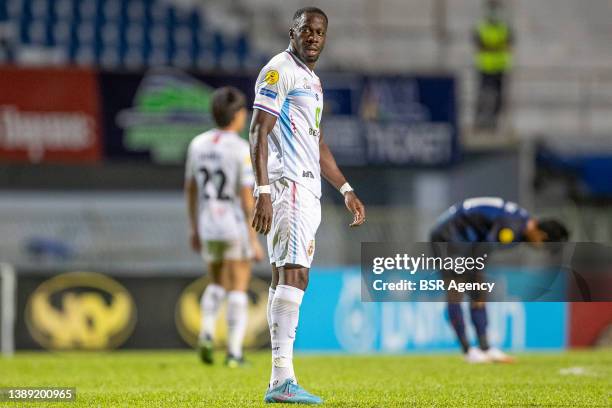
(124, 33)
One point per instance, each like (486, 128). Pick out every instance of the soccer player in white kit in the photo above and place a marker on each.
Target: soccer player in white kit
(219, 192)
(289, 157)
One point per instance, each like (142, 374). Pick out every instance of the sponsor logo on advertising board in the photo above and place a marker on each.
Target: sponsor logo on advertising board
(49, 116)
(80, 310)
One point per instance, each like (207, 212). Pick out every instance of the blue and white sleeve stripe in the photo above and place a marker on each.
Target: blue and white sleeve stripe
(265, 109)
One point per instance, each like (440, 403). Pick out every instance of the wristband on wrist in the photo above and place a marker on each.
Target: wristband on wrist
(346, 187)
(263, 189)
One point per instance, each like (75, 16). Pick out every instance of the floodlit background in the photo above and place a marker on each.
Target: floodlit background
(100, 98)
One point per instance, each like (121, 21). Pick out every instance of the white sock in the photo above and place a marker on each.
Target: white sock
(269, 308)
(285, 313)
(237, 316)
(211, 301)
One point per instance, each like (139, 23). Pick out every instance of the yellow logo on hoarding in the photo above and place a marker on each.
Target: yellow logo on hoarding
(272, 77)
(187, 315)
(80, 310)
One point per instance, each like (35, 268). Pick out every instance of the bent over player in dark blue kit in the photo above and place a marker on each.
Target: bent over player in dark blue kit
(486, 220)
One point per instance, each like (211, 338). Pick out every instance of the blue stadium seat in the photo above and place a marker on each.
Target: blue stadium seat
(170, 19)
(3, 11)
(100, 8)
(148, 14)
(98, 40)
(63, 9)
(51, 12)
(147, 47)
(112, 10)
(242, 50)
(122, 50)
(195, 21)
(73, 44)
(195, 50)
(76, 12)
(39, 9)
(50, 34)
(61, 32)
(24, 30)
(170, 50)
(26, 11)
(218, 48)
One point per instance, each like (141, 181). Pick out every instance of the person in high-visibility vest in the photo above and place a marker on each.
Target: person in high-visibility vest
(493, 38)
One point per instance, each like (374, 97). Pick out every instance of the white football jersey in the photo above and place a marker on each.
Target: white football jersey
(221, 164)
(289, 90)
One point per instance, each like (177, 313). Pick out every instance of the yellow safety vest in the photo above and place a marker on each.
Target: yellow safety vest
(495, 58)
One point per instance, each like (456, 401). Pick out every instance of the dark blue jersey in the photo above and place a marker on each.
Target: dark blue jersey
(481, 219)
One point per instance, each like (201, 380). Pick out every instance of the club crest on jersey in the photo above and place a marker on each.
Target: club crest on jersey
(311, 247)
(272, 77)
(306, 84)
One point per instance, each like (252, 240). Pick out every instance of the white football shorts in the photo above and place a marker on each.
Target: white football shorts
(235, 250)
(295, 219)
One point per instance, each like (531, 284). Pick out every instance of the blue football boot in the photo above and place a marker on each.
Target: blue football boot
(290, 392)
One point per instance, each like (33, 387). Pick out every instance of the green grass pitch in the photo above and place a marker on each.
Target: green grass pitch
(177, 379)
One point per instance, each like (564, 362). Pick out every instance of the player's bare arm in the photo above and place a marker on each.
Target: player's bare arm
(331, 173)
(191, 196)
(248, 205)
(261, 125)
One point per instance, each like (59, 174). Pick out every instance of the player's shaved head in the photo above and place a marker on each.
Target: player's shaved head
(299, 13)
(226, 102)
(555, 230)
(307, 34)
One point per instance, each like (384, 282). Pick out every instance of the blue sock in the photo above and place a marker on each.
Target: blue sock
(455, 315)
(479, 320)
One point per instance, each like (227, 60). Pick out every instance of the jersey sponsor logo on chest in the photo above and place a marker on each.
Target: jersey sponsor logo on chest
(313, 86)
(308, 174)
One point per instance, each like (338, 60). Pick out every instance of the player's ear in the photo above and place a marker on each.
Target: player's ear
(291, 33)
